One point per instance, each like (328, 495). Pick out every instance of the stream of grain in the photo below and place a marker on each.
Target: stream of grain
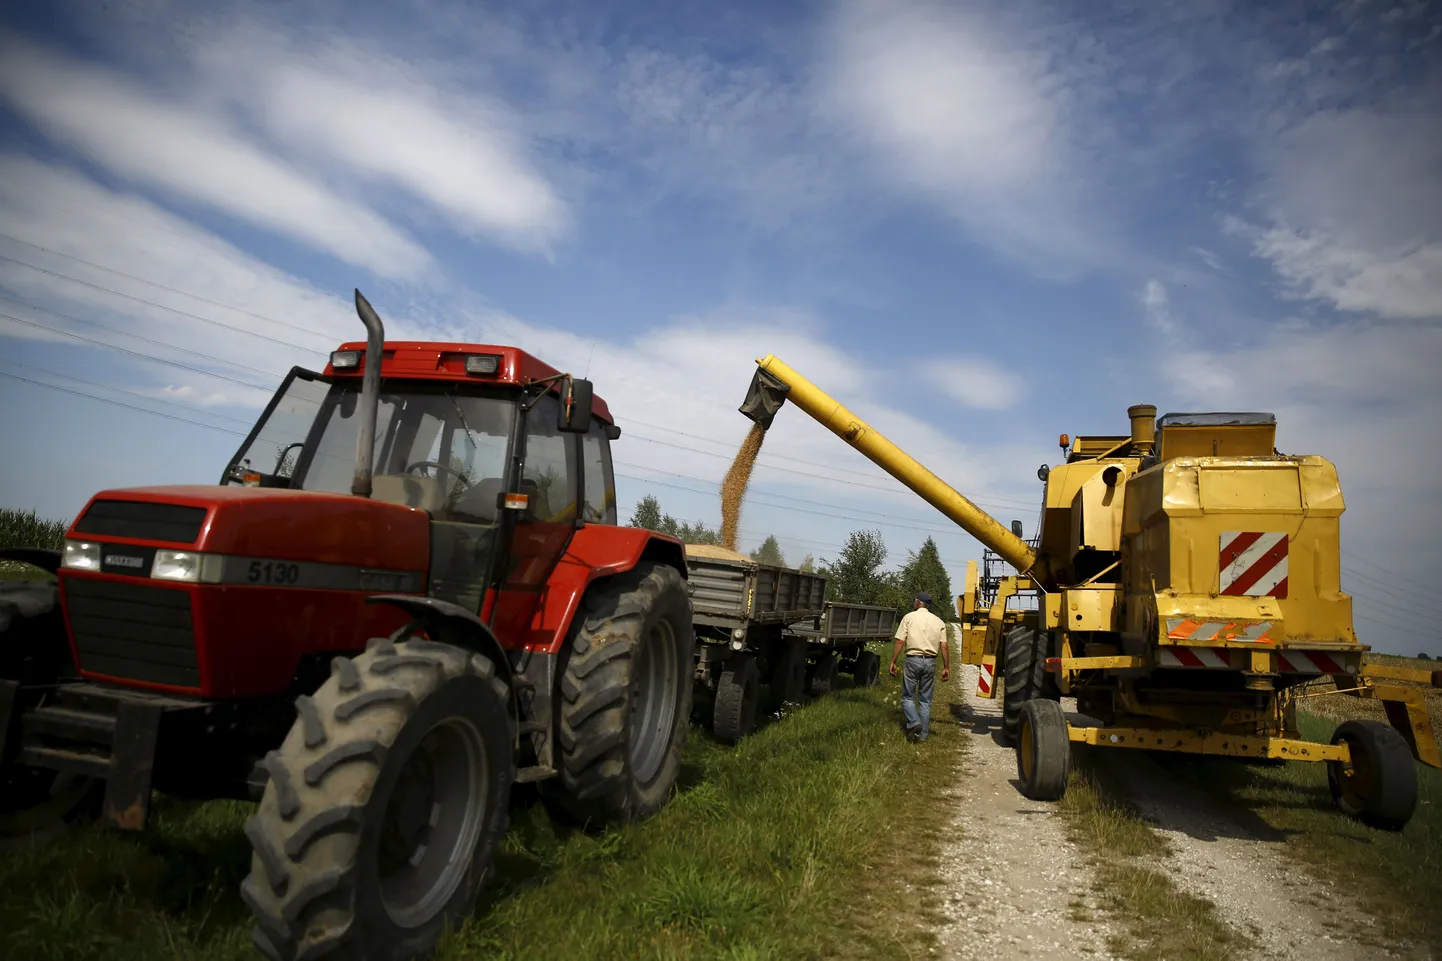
(733, 488)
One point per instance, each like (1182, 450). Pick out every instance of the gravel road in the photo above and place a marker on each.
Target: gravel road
(1017, 888)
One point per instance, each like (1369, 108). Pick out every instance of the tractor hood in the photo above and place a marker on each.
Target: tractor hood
(262, 523)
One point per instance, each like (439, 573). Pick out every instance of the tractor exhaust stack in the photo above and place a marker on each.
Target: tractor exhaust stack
(370, 396)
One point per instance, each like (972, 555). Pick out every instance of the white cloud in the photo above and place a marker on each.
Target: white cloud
(971, 117)
(1158, 307)
(975, 382)
(360, 110)
(145, 138)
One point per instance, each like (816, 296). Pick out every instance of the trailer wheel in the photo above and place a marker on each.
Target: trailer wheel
(626, 694)
(385, 806)
(1025, 676)
(1379, 786)
(868, 669)
(1043, 750)
(820, 675)
(788, 672)
(736, 695)
(35, 653)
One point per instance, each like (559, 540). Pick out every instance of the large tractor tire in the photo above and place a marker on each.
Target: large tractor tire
(1379, 786)
(788, 673)
(737, 692)
(868, 669)
(626, 691)
(1043, 750)
(1024, 671)
(35, 652)
(385, 807)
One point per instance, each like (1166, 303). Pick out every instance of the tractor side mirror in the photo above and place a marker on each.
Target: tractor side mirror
(575, 406)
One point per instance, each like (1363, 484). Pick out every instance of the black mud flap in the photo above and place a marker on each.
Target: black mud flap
(764, 398)
(132, 766)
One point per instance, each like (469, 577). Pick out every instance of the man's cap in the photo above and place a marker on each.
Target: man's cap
(924, 597)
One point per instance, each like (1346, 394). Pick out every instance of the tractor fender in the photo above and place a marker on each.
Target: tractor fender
(41, 557)
(452, 624)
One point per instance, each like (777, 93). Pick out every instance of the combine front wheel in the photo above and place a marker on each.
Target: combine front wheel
(1043, 750)
(1024, 663)
(626, 692)
(1379, 785)
(385, 806)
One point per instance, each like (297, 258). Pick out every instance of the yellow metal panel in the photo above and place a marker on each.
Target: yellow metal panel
(1103, 663)
(1053, 610)
(1096, 513)
(1231, 441)
(1251, 490)
(1090, 609)
(1193, 742)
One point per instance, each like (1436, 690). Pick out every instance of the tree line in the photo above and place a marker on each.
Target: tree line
(857, 575)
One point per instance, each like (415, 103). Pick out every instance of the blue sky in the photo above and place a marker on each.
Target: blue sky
(979, 225)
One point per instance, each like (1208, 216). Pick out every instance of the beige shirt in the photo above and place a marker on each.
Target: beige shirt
(922, 632)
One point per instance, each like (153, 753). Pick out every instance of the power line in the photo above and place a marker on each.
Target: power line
(1403, 600)
(121, 390)
(1424, 587)
(107, 400)
(173, 310)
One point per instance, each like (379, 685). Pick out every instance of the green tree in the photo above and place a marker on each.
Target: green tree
(924, 572)
(769, 552)
(856, 576)
(808, 564)
(648, 515)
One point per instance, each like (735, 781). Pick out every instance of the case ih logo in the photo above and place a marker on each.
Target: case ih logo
(1253, 564)
(124, 560)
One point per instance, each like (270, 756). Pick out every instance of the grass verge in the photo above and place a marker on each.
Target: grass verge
(808, 840)
(1158, 918)
(1394, 878)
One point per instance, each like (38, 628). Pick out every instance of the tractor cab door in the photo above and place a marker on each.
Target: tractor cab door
(551, 480)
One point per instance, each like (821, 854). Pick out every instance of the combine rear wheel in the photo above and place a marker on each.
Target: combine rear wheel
(736, 695)
(1024, 670)
(868, 669)
(385, 806)
(35, 654)
(1043, 750)
(626, 691)
(821, 674)
(1379, 786)
(788, 672)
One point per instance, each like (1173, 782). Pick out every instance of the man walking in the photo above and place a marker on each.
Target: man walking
(921, 634)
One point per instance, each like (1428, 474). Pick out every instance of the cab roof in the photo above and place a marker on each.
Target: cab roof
(424, 360)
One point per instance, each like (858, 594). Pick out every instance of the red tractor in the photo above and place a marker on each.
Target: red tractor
(407, 593)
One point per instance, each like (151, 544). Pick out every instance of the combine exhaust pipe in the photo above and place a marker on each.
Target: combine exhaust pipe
(775, 383)
(370, 397)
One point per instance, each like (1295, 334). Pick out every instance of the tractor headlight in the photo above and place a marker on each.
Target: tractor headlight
(483, 363)
(345, 359)
(81, 556)
(176, 566)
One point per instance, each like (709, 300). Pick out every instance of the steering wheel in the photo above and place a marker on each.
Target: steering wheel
(442, 468)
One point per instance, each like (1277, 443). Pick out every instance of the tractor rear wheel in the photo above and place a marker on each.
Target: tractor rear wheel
(385, 806)
(868, 669)
(736, 694)
(626, 692)
(1043, 750)
(788, 672)
(1379, 786)
(1024, 671)
(35, 653)
(821, 674)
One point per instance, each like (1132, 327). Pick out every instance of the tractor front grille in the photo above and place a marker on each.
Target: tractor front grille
(142, 520)
(133, 631)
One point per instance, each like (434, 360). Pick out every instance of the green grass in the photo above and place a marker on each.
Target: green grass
(800, 843)
(27, 529)
(1157, 918)
(1396, 878)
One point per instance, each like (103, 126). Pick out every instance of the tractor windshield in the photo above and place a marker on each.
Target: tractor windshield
(436, 448)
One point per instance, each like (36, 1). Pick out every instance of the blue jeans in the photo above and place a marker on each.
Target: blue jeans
(918, 678)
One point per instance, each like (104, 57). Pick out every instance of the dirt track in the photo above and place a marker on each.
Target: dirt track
(1018, 888)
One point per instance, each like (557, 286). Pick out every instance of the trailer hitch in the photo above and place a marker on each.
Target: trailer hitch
(764, 398)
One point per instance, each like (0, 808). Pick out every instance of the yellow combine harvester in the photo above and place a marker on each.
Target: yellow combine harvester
(1187, 578)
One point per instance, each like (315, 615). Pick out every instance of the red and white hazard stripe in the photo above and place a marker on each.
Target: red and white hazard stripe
(985, 678)
(1209, 657)
(1253, 564)
(1309, 662)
